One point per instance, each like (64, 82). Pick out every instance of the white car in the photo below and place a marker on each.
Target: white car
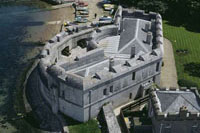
(105, 18)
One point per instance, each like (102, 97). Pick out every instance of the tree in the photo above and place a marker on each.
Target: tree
(153, 5)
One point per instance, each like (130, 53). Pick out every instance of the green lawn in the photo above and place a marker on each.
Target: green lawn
(184, 39)
(90, 126)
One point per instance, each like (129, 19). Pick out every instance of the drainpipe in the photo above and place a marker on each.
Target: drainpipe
(90, 94)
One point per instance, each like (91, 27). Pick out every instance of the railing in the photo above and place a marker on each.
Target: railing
(136, 103)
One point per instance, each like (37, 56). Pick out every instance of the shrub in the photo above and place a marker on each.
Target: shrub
(163, 64)
(193, 69)
(186, 83)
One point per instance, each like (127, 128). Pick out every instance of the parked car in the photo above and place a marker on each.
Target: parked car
(86, 12)
(108, 7)
(80, 19)
(82, 4)
(67, 23)
(105, 18)
(80, 8)
(106, 1)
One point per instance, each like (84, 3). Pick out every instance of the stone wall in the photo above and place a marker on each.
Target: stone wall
(72, 95)
(173, 122)
(110, 119)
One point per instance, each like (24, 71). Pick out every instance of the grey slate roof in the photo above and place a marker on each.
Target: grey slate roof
(171, 101)
(129, 31)
(133, 34)
(112, 42)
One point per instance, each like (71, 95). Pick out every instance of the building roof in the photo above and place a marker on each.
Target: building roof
(175, 104)
(113, 45)
(172, 101)
(111, 50)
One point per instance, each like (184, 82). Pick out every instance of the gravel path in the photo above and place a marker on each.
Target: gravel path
(168, 72)
(94, 7)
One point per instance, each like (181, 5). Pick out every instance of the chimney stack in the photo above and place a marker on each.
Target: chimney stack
(111, 64)
(58, 38)
(133, 51)
(147, 27)
(149, 38)
(183, 111)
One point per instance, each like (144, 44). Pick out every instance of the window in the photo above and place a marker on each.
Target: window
(48, 52)
(130, 96)
(66, 51)
(133, 76)
(195, 128)
(147, 92)
(63, 94)
(167, 128)
(154, 79)
(111, 88)
(105, 92)
(157, 66)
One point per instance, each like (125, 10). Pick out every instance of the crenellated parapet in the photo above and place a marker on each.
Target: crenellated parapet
(184, 112)
(159, 32)
(87, 65)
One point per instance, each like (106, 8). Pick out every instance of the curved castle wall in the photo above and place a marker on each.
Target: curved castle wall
(49, 73)
(54, 80)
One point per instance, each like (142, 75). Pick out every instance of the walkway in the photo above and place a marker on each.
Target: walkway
(168, 72)
(95, 6)
(117, 110)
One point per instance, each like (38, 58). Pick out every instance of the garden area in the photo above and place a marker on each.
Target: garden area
(186, 46)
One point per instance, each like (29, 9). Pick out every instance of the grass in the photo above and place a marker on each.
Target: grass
(74, 126)
(89, 127)
(184, 39)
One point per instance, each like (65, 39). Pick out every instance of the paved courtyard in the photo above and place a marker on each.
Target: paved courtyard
(168, 72)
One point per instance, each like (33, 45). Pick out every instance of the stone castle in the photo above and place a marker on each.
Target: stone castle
(88, 66)
(180, 113)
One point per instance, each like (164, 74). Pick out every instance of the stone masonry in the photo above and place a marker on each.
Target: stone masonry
(175, 110)
(117, 63)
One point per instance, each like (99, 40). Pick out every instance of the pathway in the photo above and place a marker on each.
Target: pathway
(168, 72)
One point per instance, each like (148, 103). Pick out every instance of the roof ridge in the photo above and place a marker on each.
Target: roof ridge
(131, 41)
(172, 102)
(190, 102)
(142, 45)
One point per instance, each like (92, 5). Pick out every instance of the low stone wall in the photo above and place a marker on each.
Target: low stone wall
(112, 124)
(27, 105)
(123, 123)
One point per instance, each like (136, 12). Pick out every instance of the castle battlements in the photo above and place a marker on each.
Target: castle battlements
(88, 65)
(175, 104)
